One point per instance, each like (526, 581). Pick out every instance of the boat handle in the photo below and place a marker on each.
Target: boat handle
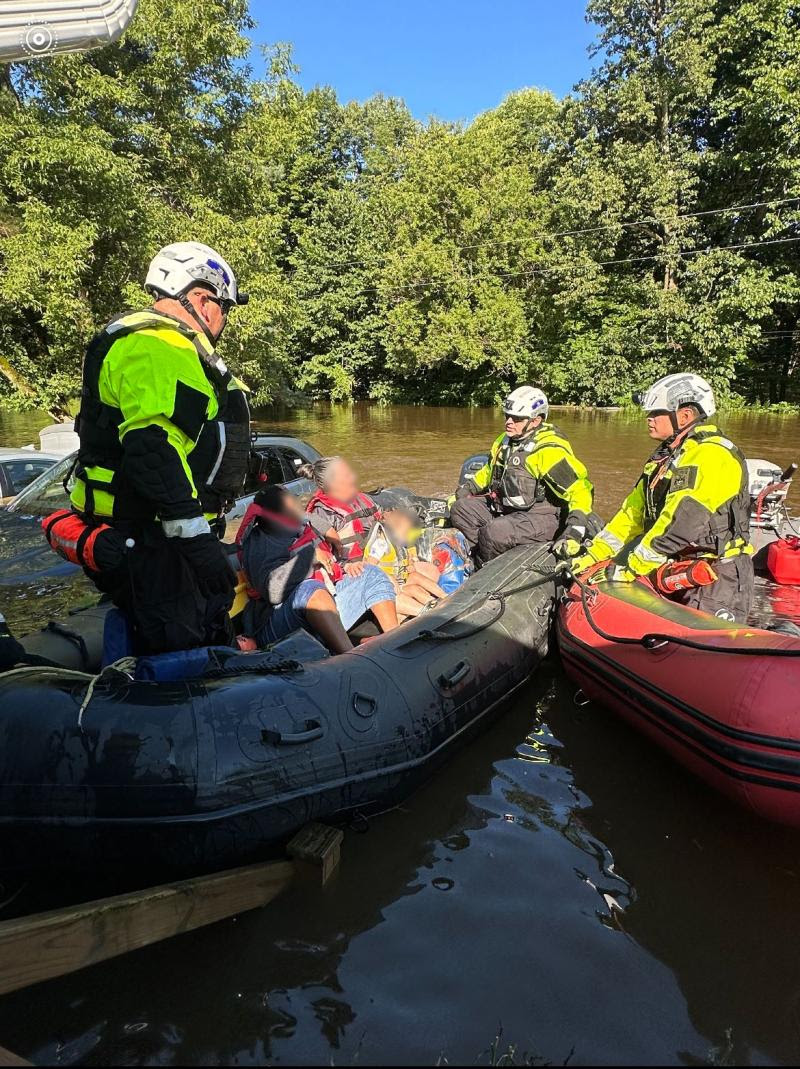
(455, 675)
(313, 730)
(364, 705)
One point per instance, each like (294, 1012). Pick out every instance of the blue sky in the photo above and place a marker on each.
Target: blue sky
(449, 58)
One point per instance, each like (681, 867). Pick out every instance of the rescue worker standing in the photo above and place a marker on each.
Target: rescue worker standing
(531, 488)
(164, 436)
(686, 522)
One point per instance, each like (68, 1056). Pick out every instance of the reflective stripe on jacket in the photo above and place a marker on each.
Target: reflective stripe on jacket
(219, 460)
(692, 500)
(150, 384)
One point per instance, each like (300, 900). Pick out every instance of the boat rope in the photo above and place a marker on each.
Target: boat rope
(549, 575)
(73, 637)
(124, 666)
(450, 636)
(653, 639)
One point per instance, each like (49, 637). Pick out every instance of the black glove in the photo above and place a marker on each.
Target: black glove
(467, 489)
(209, 561)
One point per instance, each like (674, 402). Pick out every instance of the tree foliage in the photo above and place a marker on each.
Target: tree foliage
(588, 243)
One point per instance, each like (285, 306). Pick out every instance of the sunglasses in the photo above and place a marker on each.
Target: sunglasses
(224, 306)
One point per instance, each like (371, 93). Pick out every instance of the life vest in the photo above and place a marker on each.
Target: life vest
(728, 532)
(390, 554)
(357, 518)
(220, 458)
(98, 423)
(512, 485)
(329, 572)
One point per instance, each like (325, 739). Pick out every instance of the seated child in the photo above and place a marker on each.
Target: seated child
(416, 581)
(295, 581)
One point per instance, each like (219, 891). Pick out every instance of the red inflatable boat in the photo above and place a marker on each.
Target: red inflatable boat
(723, 700)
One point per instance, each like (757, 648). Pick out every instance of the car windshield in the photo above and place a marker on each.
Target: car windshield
(21, 473)
(45, 494)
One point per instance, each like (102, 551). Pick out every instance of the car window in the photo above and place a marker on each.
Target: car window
(21, 473)
(291, 461)
(46, 493)
(271, 467)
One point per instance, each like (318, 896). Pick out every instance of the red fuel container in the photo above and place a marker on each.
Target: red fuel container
(783, 561)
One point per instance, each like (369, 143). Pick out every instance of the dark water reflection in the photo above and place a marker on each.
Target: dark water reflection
(560, 882)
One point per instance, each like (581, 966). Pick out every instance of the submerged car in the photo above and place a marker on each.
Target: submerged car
(28, 566)
(19, 468)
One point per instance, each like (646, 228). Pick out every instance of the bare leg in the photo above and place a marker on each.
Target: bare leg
(424, 567)
(385, 613)
(322, 618)
(413, 598)
(427, 580)
(408, 606)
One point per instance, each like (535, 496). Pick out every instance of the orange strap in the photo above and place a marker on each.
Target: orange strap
(72, 537)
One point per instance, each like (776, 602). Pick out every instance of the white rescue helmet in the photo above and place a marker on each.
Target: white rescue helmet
(673, 391)
(183, 264)
(526, 402)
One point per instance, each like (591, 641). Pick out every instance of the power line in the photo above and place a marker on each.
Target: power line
(532, 272)
(598, 228)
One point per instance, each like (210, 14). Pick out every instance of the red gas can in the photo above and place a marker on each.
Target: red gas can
(783, 561)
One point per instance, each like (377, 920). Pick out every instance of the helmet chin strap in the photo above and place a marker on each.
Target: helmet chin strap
(678, 430)
(187, 306)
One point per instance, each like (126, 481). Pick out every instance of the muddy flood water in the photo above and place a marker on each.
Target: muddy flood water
(561, 892)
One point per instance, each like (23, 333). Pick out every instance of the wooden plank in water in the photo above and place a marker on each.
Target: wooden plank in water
(317, 850)
(46, 945)
(8, 1058)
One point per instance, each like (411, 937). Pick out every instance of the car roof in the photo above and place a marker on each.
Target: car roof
(266, 438)
(6, 453)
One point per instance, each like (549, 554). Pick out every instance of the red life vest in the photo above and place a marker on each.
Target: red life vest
(353, 531)
(307, 535)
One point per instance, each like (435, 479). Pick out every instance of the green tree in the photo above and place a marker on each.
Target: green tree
(103, 157)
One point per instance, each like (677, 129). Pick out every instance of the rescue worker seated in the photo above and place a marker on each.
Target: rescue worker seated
(346, 517)
(295, 581)
(532, 489)
(686, 522)
(164, 443)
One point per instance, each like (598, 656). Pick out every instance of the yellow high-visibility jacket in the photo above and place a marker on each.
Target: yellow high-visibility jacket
(691, 500)
(150, 384)
(542, 467)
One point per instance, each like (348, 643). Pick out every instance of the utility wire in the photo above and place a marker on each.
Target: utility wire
(598, 228)
(533, 272)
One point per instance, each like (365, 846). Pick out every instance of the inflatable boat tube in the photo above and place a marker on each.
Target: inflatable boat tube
(208, 772)
(720, 698)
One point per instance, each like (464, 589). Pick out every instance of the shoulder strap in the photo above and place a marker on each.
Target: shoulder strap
(319, 498)
(149, 319)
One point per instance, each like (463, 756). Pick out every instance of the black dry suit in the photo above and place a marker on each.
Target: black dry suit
(529, 489)
(164, 441)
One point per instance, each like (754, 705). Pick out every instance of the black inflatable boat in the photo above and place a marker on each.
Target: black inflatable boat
(107, 770)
